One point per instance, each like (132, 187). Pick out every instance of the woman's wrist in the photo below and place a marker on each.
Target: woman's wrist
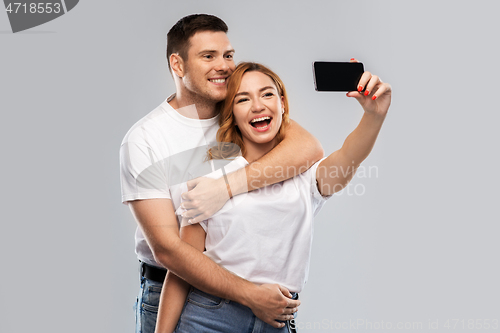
(375, 117)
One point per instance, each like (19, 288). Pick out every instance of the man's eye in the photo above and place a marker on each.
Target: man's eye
(229, 56)
(208, 56)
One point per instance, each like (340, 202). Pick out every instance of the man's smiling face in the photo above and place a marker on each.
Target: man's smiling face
(209, 64)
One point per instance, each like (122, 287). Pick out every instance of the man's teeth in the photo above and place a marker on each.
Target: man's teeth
(259, 119)
(218, 80)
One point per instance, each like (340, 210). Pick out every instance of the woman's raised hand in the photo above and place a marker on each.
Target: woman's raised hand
(376, 97)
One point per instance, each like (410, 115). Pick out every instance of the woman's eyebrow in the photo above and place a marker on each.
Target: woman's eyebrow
(260, 90)
(265, 88)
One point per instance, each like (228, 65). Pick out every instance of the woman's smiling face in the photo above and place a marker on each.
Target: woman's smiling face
(257, 109)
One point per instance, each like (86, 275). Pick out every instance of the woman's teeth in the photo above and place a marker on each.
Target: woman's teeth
(261, 122)
(260, 119)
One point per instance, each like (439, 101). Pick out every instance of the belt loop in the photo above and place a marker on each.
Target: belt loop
(142, 268)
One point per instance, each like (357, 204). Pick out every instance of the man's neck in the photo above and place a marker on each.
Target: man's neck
(192, 106)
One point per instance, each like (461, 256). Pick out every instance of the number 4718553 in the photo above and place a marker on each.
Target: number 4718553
(33, 8)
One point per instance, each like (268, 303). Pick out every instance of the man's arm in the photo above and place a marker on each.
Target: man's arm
(296, 153)
(158, 222)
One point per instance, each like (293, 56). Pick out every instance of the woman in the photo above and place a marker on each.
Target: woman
(265, 236)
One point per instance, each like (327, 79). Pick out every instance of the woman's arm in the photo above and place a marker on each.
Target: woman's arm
(337, 170)
(175, 289)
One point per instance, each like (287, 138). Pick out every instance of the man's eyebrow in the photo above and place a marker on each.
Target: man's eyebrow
(207, 51)
(260, 90)
(215, 51)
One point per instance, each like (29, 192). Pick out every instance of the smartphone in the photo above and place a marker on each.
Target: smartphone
(337, 76)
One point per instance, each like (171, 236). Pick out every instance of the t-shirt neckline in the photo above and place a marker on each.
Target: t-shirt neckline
(170, 111)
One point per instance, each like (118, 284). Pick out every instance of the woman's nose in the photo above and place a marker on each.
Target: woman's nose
(257, 106)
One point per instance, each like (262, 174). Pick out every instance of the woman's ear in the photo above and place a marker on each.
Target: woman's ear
(282, 104)
(177, 64)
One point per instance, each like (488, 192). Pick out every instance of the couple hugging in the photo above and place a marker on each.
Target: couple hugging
(229, 252)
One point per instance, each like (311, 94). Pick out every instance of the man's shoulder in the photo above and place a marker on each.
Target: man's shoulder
(156, 121)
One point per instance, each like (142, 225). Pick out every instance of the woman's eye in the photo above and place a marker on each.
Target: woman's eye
(241, 100)
(269, 94)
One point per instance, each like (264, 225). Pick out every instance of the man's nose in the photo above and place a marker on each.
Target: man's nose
(221, 65)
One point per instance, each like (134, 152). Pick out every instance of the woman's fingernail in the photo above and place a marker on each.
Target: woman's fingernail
(353, 59)
(374, 97)
(366, 92)
(360, 87)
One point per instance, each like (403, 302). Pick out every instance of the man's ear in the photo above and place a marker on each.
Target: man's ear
(177, 64)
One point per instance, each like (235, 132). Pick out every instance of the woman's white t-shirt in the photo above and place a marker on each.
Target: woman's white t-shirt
(265, 235)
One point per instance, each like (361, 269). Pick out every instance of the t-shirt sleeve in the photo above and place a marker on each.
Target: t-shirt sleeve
(181, 210)
(318, 200)
(142, 173)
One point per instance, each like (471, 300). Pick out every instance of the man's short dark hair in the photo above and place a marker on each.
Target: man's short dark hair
(179, 34)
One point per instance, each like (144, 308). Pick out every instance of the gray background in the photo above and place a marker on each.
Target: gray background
(420, 244)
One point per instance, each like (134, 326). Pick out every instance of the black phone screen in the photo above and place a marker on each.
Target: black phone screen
(337, 76)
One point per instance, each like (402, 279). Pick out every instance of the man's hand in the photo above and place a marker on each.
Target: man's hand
(205, 197)
(272, 302)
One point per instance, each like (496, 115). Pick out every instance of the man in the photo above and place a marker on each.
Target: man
(167, 147)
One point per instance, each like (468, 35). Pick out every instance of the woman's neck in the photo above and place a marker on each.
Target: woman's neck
(254, 150)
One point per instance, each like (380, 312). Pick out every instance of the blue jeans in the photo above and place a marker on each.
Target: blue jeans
(146, 306)
(210, 314)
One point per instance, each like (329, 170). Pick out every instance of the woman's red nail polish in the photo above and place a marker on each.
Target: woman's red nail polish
(374, 98)
(366, 92)
(353, 59)
(360, 87)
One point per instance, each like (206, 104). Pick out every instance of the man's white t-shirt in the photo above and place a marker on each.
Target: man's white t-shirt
(265, 236)
(159, 153)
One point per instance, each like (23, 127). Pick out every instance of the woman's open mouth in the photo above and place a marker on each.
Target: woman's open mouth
(261, 123)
